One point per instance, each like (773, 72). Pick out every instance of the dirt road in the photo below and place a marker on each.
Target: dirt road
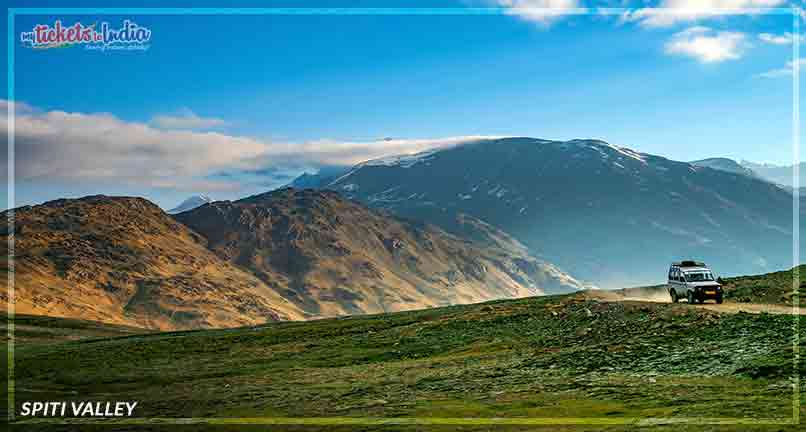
(658, 294)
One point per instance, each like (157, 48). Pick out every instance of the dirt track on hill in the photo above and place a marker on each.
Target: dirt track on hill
(752, 308)
(657, 294)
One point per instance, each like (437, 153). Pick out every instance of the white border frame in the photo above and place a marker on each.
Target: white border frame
(796, 13)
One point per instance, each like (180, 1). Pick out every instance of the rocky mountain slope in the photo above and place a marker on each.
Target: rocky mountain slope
(123, 260)
(330, 256)
(285, 255)
(606, 214)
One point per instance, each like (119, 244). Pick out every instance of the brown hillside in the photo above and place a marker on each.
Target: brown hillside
(123, 260)
(335, 256)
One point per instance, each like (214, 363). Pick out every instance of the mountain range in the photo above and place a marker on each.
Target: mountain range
(283, 255)
(606, 214)
(489, 219)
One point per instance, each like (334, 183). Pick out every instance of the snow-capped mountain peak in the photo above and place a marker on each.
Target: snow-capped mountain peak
(191, 203)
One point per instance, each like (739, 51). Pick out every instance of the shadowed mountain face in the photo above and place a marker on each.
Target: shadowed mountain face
(606, 214)
(279, 256)
(330, 256)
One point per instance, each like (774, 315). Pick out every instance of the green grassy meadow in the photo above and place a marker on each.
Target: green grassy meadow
(563, 359)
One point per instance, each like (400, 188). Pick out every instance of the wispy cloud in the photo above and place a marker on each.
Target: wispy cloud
(335, 152)
(707, 45)
(185, 119)
(785, 71)
(778, 39)
(673, 12)
(542, 12)
(99, 147)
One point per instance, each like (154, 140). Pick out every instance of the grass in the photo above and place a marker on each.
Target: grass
(773, 288)
(560, 356)
(35, 329)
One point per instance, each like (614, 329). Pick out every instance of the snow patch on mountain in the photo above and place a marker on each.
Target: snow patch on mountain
(604, 149)
(403, 161)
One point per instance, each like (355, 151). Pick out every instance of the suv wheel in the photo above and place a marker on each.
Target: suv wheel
(690, 297)
(673, 293)
(719, 299)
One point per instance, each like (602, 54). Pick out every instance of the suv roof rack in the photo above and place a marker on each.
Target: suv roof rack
(689, 263)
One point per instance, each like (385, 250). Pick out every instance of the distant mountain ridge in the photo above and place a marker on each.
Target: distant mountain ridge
(778, 174)
(725, 164)
(782, 176)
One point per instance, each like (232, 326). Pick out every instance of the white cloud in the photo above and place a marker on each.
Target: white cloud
(542, 12)
(672, 12)
(785, 71)
(185, 119)
(333, 152)
(706, 45)
(782, 39)
(20, 107)
(94, 147)
(99, 147)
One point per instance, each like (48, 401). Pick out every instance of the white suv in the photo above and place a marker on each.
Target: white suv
(694, 281)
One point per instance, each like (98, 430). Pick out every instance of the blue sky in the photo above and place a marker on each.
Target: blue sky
(230, 105)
